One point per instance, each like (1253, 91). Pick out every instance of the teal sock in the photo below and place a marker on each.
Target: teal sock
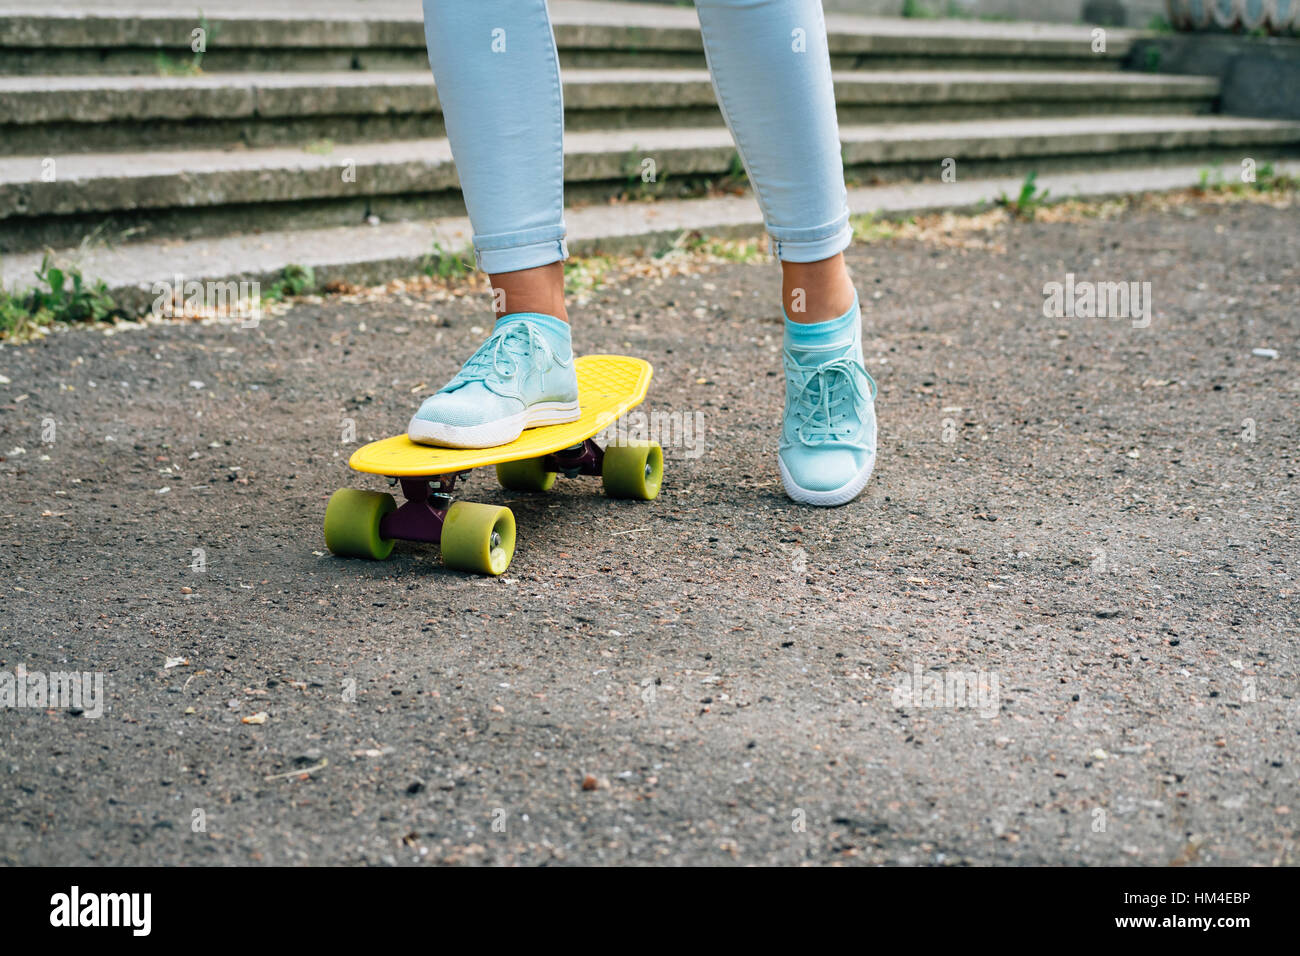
(548, 322)
(554, 330)
(820, 336)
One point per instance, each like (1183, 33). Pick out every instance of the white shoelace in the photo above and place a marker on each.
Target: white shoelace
(497, 358)
(822, 391)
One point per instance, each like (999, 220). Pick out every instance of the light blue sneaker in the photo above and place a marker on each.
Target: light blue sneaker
(521, 377)
(828, 437)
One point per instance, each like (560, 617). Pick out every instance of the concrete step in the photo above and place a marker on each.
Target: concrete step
(50, 115)
(189, 193)
(366, 254)
(87, 38)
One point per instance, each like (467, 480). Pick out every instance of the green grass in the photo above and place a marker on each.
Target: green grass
(444, 264)
(61, 295)
(868, 228)
(293, 280)
(914, 10)
(17, 322)
(1267, 180)
(1028, 201)
(637, 186)
(726, 250)
(736, 171)
(951, 10)
(586, 274)
(166, 66)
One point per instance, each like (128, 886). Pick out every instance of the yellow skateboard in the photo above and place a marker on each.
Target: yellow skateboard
(478, 537)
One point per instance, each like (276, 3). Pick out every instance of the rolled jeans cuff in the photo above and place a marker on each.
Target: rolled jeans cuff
(813, 244)
(510, 252)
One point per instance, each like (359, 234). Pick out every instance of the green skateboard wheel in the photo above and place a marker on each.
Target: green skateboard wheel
(633, 469)
(527, 474)
(352, 524)
(478, 538)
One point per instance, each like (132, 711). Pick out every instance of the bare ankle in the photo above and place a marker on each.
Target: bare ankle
(816, 291)
(530, 290)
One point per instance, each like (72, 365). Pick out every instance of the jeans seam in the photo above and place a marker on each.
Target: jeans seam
(520, 243)
(558, 85)
(557, 243)
(836, 227)
(826, 231)
(726, 118)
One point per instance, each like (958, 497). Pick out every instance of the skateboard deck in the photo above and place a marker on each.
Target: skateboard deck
(608, 386)
(481, 537)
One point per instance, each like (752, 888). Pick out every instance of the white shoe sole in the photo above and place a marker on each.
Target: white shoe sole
(836, 496)
(827, 499)
(490, 434)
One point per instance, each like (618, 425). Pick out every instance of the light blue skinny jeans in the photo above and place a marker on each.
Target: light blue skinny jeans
(498, 82)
